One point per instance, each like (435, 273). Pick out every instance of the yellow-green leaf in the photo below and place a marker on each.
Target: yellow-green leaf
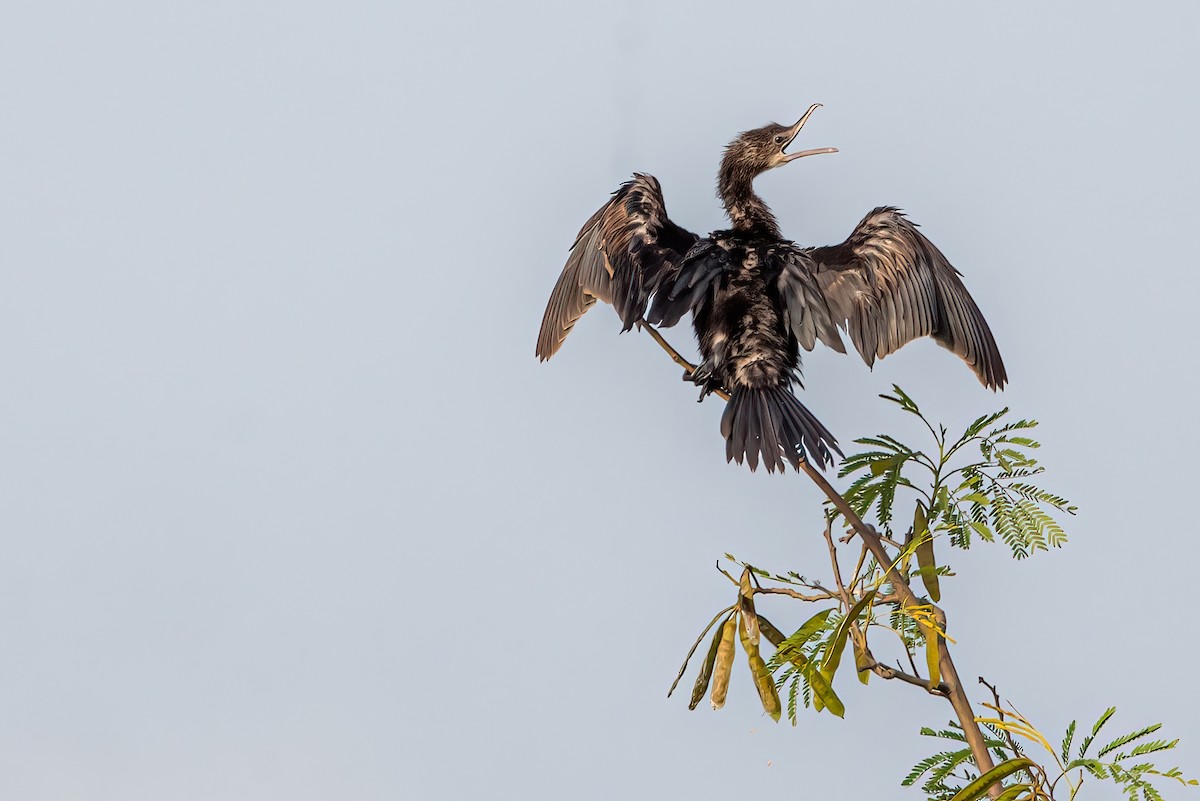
(978, 788)
(924, 541)
(932, 659)
(1014, 792)
(833, 653)
(724, 663)
(822, 693)
(706, 669)
(811, 626)
(763, 681)
(862, 664)
(881, 466)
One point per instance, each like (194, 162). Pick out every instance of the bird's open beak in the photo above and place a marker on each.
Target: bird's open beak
(795, 129)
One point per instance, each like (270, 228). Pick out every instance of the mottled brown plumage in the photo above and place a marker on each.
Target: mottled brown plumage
(756, 298)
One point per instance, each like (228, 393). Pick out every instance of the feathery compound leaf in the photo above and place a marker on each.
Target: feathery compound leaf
(1087, 741)
(1128, 738)
(861, 461)
(1066, 743)
(822, 694)
(792, 645)
(937, 777)
(927, 764)
(902, 400)
(1153, 747)
(982, 423)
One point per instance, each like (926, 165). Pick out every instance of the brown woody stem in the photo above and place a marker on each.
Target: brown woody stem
(951, 686)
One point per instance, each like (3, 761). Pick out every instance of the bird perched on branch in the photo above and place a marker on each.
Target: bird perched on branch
(757, 298)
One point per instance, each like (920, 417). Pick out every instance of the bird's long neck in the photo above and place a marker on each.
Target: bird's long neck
(746, 210)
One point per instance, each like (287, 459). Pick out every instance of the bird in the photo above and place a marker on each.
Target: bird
(756, 298)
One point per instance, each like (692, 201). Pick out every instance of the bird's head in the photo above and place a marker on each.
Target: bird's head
(765, 148)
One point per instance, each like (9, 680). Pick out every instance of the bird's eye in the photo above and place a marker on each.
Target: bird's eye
(779, 140)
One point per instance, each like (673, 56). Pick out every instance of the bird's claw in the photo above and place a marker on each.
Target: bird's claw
(702, 376)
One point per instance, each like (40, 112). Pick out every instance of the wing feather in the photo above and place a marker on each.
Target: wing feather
(806, 309)
(888, 285)
(697, 271)
(623, 253)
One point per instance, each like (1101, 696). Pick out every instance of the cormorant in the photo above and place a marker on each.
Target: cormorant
(756, 298)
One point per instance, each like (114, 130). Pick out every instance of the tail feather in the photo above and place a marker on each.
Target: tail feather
(771, 424)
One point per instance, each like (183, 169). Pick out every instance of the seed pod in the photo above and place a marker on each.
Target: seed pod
(763, 681)
(706, 669)
(724, 664)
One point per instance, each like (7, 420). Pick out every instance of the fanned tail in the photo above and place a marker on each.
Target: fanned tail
(772, 424)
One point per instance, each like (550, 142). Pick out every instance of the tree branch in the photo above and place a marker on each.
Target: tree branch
(953, 685)
(826, 596)
(888, 672)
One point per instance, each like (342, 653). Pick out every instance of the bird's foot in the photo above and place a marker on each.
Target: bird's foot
(704, 378)
(701, 375)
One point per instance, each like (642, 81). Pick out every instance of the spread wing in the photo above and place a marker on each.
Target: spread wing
(623, 253)
(888, 285)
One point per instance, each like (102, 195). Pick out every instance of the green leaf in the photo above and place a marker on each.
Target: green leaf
(793, 644)
(932, 655)
(1087, 741)
(881, 466)
(1014, 792)
(1066, 743)
(903, 400)
(833, 654)
(983, 422)
(816, 682)
(1128, 738)
(925, 559)
(978, 788)
(862, 664)
(1152, 747)
(1092, 766)
(822, 689)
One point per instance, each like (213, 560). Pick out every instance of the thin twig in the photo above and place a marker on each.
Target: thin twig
(793, 594)
(888, 672)
(1000, 711)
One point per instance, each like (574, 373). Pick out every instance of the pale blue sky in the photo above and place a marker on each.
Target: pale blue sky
(290, 510)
